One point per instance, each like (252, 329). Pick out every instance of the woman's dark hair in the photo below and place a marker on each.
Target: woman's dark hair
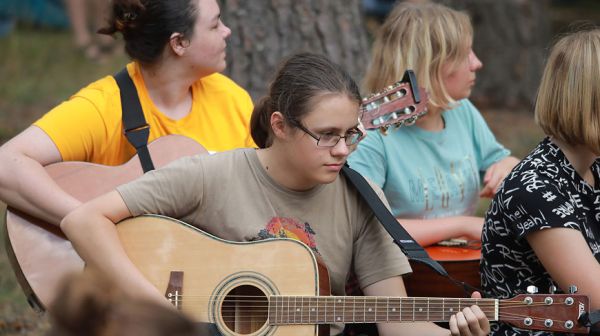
(299, 79)
(147, 25)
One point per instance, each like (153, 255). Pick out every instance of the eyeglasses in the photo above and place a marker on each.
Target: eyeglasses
(330, 140)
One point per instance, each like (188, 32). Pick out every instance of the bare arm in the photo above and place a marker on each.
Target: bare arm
(91, 229)
(564, 253)
(430, 231)
(495, 174)
(25, 185)
(471, 321)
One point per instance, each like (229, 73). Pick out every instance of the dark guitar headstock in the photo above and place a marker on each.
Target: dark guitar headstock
(396, 105)
(549, 312)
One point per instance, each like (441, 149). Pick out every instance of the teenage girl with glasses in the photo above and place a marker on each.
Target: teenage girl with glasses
(289, 187)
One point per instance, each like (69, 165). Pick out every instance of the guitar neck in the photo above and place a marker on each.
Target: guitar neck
(285, 310)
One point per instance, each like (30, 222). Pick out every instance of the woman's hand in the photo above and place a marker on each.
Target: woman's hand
(495, 174)
(470, 321)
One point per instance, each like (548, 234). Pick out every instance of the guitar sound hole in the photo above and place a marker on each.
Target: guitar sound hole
(245, 309)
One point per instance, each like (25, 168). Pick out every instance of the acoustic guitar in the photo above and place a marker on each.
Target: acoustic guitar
(39, 252)
(278, 287)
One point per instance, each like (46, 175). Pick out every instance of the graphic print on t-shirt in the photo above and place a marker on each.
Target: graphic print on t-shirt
(282, 227)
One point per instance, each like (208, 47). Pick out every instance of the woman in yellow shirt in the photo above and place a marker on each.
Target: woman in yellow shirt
(178, 50)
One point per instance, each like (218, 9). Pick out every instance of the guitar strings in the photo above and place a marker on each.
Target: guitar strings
(373, 298)
(381, 307)
(361, 300)
(322, 300)
(234, 315)
(380, 300)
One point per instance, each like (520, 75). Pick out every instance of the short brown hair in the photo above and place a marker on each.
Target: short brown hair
(299, 81)
(568, 99)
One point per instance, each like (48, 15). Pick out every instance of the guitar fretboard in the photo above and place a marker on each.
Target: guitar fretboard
(285, 310)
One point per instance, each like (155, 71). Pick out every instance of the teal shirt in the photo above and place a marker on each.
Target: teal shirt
(431, 174)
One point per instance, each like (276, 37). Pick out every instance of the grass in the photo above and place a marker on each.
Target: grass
(41, 68)
(516, 130)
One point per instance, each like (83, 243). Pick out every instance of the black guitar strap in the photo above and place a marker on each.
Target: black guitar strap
(407, 244)
(135, 126)
(401, 237)
(591, 320)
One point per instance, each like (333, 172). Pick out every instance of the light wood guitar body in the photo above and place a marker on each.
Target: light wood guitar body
(217, 271)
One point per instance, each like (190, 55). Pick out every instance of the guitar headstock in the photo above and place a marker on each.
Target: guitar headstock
(398, 104)
(549, 312)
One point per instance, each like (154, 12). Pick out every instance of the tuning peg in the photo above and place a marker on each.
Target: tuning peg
(552, 289)
(532, 289)
(410, 121)
(383, 130)
(572, 289)
(378, 121)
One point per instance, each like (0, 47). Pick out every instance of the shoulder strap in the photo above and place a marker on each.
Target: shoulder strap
(134, 124)
(407, 244)
(592, 320)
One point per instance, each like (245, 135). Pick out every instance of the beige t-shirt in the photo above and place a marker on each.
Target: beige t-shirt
(230, 195)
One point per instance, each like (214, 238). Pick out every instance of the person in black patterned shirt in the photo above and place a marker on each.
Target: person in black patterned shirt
(541, 228)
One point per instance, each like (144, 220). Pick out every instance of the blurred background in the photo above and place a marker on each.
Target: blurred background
(48, 51)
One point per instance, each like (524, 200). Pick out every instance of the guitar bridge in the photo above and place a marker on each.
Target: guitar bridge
(175, 289)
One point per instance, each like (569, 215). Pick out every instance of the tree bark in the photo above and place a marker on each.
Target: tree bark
(264, 32)
(511, 38)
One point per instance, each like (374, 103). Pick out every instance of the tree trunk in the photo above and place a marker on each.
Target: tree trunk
(264, 32)
(511, 39)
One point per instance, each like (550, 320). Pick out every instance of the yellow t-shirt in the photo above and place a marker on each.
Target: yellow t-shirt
(88, 127)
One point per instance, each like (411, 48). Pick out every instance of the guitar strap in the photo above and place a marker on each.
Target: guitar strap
(592, 320)
(401, 237)
(135, 126)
